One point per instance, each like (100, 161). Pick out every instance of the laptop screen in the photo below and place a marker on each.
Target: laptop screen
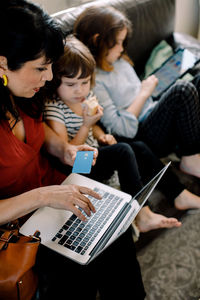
(146, 190)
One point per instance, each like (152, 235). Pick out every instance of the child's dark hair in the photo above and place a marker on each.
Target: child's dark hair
(97, 27)
(27, 33)
(76, 58)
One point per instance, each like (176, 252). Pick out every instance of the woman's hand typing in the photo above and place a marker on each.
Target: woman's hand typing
(69, 197)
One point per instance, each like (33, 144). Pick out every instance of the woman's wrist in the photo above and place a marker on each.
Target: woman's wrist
(41, 196)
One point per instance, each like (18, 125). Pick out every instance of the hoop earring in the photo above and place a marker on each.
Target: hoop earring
(5, 80)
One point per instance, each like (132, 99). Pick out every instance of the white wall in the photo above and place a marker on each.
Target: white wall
(187, 17)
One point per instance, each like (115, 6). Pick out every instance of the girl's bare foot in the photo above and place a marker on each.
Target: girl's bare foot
(187, 200)
(191, 165)
(147, 220)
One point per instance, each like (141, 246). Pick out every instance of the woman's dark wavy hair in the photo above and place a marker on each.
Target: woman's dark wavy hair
(104, 22)
(26, 34)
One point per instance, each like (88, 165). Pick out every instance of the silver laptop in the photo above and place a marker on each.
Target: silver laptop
(82, 241)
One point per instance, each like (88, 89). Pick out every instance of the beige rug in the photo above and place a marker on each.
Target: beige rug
(170, 264)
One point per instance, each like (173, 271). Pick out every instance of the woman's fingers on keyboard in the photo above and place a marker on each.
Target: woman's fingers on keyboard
(80, 200)
(85, 190)
(78, 213)
(86, 205)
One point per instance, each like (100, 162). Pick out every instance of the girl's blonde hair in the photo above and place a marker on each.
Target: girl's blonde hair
(97, 27)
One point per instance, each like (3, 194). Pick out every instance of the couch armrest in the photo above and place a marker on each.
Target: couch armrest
(186, 41)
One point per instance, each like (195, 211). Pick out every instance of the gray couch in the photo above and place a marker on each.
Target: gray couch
(153, 21)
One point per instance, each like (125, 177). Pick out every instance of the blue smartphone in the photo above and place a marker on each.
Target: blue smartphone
(83, 162)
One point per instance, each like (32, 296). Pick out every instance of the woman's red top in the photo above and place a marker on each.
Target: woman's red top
(22, 165)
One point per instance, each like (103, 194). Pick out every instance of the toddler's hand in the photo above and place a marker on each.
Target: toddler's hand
(107, 139)
(89, 121)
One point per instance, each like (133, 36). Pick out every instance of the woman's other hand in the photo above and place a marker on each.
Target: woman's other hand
(71, 150)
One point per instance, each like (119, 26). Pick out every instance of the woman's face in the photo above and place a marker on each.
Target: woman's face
(115, 52)
(27, 81)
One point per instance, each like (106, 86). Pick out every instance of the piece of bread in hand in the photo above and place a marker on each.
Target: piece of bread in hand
(92, 104)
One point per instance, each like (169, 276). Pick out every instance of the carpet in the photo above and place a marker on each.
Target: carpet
(170, 263)
(170, 258)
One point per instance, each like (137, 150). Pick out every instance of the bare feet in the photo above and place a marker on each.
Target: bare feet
(191, 165)
(147, 220)
(187, 200)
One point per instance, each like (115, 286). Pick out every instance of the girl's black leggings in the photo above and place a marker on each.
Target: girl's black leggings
(174, 124)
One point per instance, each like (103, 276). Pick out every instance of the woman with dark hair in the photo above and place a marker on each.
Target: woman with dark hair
(26, 55)
(30, 42)
(171, 124)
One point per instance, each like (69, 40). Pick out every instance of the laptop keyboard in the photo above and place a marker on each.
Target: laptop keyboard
(78, 235)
